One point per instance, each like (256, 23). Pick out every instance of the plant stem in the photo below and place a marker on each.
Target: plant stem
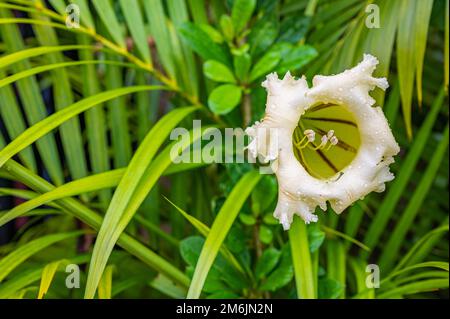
(246, 110)
(301, 258)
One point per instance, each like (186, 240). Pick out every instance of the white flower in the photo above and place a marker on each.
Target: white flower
(288, 99)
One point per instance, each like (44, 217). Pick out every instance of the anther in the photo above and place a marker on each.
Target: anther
(333, 141)
(323, 142)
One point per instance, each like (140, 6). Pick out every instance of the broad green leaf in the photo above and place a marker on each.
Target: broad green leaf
(224, 98)
(283, 273)
(329, 288)
(265, 234)
(296, 58)
(241, 12)
(226, 24)
(267, 262)
(201, 43)
(218, 72)
(219, 230)
(247, 219)
(242, 63)
(265, 65)
(315, 237)
(264, 194)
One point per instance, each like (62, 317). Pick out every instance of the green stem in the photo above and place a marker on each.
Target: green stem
(301, 258)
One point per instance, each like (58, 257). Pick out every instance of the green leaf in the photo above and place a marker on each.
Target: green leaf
(48, 273)
(315, 237)
(213, 33)
(416, 287)
(422, 18)
(219, 230)
(264, 194)
(159, 31)
(133, 17)
(204, 230)
(296, 58)
(262, 36)
(105, 284)
(200, 42)
(247, 219)
(241, 12)
(301, 259)
(283, 273)
(336, 262)
(267, 262)
(329, 288)
(218, 72)
(94, 220)
(406, 59)
(21, 280)
(398, 186)
(166, 286)
(397, 237)
(21, 55)
(124, 203)
(242, 63)
(227, 27)
(49, 123)
(22, 253)
(265, 65)
(223, 99)
(108, 17)
(265, 234)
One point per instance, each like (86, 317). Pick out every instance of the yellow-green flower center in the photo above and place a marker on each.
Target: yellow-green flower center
(324, 162)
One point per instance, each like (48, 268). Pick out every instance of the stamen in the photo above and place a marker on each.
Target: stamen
(333, 141)
(330, 134)
(310, 136)
(298, 144)
(323, 142)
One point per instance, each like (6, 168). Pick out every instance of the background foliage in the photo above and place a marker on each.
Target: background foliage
(85, 118)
